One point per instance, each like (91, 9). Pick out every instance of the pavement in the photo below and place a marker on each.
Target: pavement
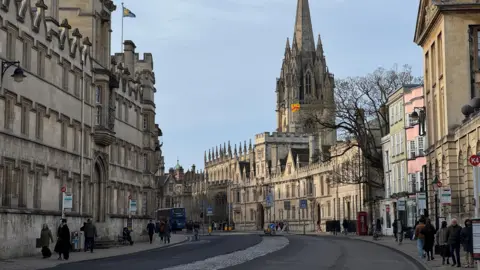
(36, 262)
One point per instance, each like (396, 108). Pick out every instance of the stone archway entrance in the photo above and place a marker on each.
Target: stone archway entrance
(220, 207)
(99, 190)
(260, 218)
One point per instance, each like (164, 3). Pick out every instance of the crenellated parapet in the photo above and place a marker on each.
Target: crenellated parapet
(280, 137)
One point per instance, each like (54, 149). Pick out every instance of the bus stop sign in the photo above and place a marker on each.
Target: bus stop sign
(209, 211)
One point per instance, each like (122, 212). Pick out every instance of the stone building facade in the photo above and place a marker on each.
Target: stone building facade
(266, 180)
(449, 37)
(80, 120)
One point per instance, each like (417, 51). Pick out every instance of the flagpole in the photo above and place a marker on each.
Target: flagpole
(121, 45)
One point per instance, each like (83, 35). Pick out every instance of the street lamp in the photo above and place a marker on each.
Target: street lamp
(17, 73)
(419, 116)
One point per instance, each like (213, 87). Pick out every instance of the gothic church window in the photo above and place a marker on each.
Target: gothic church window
(308, 84)
(98, 95)
(98, 115)
(65, 75)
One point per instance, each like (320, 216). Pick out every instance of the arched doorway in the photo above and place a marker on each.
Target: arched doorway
(220, 208)
(260, 222)
(98, 193)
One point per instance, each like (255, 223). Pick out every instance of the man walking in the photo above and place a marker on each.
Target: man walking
(454, 241)
(90, 233)
(150, 230)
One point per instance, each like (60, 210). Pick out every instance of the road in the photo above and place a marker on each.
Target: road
(332, 253)
(163, 258)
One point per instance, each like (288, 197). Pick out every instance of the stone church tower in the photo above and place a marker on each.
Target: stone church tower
(305, 80)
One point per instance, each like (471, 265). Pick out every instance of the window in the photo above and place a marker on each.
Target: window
(63, 133)
(86, 141)
(87, 88)
(37, 189)
(145, 121)
(145, 162)
(75, 139)
(39, 123)
(402, 145)
(11, 44)
(308, 84)
(41, 63)
(9, 112)
(65, 75)
(98, 95)
(402, 176)
(252, 214)
(413, 182)
(413, 149)
(76, 84)
(98, 115)
(25, 119)
(294, 210)
(287, 191)
(440, 53)
(278, 194)
(293, 190)
(392, 119)
(392, 145)
(126, 112)
(421, 145)
(433, 63)
(119, 110)
(27, 55)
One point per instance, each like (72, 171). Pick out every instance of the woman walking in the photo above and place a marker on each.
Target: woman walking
(429, 233)
(442, 241)
(45, 239)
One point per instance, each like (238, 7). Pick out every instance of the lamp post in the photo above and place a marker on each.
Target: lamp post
(419, 115)
(17, 73)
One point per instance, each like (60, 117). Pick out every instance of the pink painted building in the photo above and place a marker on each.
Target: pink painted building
(414, 101)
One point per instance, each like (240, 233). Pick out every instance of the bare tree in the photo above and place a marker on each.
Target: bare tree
(360, 111)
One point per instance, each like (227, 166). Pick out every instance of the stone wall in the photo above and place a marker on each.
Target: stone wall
(18, 232)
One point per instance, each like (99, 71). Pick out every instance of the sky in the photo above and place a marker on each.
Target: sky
(216, 61)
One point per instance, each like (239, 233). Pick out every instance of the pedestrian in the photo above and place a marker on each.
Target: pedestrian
(428, 232)
(45, 239)
(168, 229)
(174, 226)
(151, 230)
(161, 230)
(63, 245)
(345, 226)
(420, 237)
(90, 232)
(398, 230)
(442, 243)
(454, 241)
(467, 242)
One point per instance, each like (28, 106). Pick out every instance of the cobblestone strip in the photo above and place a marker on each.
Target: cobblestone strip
(268, 245)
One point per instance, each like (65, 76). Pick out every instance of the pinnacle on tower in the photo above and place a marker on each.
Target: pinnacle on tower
(235, 150)
(303, 35)
(245, 147)
(229, 149)
(209, 155)
(224, 149)
(250, 145)
(240, 149)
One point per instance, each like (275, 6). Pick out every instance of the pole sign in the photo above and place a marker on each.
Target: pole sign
(446, 196)
(67, 200)
(476, 238)
(133, 206)
(474, 160)
(401, 205)
(209, 211)
(269, 200)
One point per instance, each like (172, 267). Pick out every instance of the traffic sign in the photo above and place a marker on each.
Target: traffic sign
(303, 204)
(439, 184)
(64, 189)
(474, 160)
(209, 211)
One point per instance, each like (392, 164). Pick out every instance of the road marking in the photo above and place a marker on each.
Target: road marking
(268, 245)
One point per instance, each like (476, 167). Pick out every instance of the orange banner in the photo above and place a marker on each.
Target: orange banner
(295, 107)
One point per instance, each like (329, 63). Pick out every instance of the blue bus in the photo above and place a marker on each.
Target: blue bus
(173, 214)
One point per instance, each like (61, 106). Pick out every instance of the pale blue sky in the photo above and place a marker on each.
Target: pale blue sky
(216, 61)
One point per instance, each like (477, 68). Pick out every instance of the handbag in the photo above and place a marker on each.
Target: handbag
(437, 249)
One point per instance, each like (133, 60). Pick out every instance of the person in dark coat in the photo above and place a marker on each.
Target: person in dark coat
(345, 226)
(454, 241)
(45, 239)
(442, 241)
(466, 238)
(90, 233)
(151, 230)
(63, 242)
(429, 241)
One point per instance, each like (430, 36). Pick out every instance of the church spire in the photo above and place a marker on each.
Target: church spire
(303, 35)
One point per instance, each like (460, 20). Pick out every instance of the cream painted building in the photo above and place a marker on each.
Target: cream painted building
(76, 106)
(448, 32)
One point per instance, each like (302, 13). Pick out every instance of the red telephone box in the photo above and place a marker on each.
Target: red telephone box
(362, 224)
